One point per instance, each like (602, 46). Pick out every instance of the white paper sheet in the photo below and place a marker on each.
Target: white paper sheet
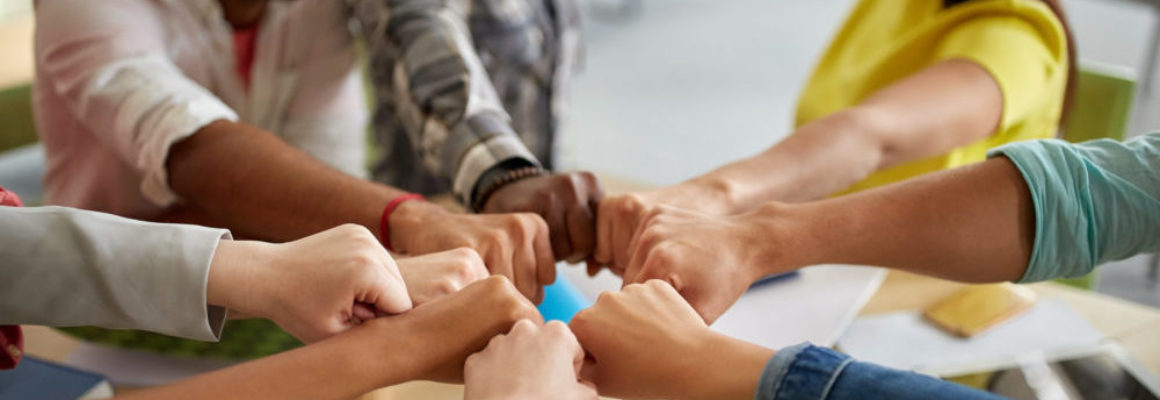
(904, 340)
(815, 306)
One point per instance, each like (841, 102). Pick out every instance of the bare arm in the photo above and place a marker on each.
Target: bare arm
(430, 342)
(944, 106)
(947, 105)
(972, 224)
(248, 180)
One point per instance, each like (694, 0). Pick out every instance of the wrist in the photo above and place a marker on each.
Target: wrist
(785, 242)
(713, 195)
(403, 220)
(732, 369)
(236, 276)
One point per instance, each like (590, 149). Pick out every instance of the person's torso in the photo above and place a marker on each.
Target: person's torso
(85, 171)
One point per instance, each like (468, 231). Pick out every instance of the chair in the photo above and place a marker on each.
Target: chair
(1101, 108)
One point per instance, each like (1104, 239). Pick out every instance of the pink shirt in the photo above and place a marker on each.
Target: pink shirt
(119, 81)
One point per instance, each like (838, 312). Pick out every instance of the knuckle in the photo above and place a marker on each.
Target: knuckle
(556, 328)
(446, 286)
(661, 256)
(523, 326)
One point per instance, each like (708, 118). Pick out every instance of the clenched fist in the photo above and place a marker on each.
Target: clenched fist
(530, 362)
(313, 287)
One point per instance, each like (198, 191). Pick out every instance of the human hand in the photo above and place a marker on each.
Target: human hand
(435, 275)
(567, 202)
(646, 342)
(434, 340)
(619, 217)
(531, 362)
(513, 245)
(313, 287)
(710, 260)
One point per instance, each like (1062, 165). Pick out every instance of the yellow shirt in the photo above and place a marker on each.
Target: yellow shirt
(1020, 42)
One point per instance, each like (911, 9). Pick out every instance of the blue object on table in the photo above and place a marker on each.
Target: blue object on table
(562, 300)
(771, 279)
(34, 378)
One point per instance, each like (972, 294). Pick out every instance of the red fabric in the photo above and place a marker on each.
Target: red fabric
(385, 220)
(9, 199)
(245, 46)
(11, 338)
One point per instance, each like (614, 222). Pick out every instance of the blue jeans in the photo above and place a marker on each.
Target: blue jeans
(809, 372)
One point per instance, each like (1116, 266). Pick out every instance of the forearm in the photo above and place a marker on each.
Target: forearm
(823, 157)
(727, 368)
(343, 367)
(253, 183)
(946, 105)
(974, 224)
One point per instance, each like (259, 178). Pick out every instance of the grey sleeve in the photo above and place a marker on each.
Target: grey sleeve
(428, 76)
(68, 267)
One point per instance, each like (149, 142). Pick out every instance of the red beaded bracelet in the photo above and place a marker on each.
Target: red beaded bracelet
(385, 220)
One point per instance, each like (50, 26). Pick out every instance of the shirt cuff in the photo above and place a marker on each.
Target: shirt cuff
(494, 142)
(803, 371)
(201, 247)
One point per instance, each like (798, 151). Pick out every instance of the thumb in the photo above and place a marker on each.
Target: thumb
(390, 292)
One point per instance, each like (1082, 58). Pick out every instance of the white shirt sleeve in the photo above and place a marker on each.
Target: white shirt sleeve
(108, 61)
(327, 115)
(68, 267)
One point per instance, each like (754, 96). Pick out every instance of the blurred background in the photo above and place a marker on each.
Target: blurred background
(673, 88)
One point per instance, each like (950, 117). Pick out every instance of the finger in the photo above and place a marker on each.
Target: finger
(498, 260)
(476, 269)
(638, 255)
(558, 231)
(593, 267)
(621, 234)
(363, 311)
(545, 260)
(524, 266)
(604, 226)
(392, 296)
(581, 224)
(588, 370)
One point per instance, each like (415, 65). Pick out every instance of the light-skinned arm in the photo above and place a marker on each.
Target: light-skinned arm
(647, 343)
(944, 106)
(313, 287)
(379, 353)
(972, 224)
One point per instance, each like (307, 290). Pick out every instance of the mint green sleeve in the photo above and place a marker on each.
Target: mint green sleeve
(1095, 202)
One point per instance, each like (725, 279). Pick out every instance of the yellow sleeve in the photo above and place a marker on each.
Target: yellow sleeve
(1021, 44)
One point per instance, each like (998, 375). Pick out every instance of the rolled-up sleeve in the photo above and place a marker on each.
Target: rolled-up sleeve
(107, 61)
(807, 372)
(428, 73)
(1094, 202)
(69, 267)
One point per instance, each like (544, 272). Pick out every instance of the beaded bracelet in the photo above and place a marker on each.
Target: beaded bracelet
(514, 175)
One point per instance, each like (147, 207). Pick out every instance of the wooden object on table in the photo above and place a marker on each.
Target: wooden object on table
(1134, 326)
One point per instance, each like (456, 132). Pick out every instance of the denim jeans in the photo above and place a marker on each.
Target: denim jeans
(809, 372)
